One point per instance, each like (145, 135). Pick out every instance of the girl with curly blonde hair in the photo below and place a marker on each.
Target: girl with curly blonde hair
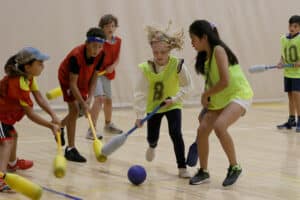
(163, 78)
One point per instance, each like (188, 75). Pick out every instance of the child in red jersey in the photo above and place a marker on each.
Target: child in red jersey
(15, 102)
(103, 94)
(77, 77)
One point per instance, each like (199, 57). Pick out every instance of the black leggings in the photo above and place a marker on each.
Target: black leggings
(174, 124)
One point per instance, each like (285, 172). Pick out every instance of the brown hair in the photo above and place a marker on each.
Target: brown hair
(12, 68)
(107, 19)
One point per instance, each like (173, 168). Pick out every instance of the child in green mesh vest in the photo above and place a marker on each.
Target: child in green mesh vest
(290, 54)
(226, 97)
(161, 77)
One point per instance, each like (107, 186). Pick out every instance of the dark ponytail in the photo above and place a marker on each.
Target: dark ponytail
(200, 60)
(201, 28)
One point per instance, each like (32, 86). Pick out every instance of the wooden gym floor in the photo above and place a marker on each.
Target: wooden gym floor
(270, 161)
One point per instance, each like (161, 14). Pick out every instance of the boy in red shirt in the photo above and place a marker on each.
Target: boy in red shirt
(77, 77)
(103, 94)
(15, 102)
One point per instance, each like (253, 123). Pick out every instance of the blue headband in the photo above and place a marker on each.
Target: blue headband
(95, 39)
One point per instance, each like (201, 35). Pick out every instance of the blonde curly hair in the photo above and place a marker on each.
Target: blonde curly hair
(174, 42)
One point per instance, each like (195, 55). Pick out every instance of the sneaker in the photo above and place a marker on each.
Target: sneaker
(232, 175)
(73, 155)
(200, 177)
(150, 154)
(4, 187)
(111, 128)
(21, 164)
(183, 173)
(90, 136)
(287, 125)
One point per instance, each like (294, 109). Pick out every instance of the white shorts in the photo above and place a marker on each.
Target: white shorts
(103, 87)
(245, 103)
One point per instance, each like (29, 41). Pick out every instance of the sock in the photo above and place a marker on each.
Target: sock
(237, 166)
(292, 117)
(70, 148)
(204, 170)
(13, 163)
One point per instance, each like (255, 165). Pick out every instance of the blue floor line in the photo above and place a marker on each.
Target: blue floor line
(62, 194)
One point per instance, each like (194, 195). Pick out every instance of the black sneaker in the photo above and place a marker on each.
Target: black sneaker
(73, 155)
(288, 125)
(232, 175)
(200, 177)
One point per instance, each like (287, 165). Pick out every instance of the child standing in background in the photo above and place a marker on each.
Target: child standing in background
(103, 94)
(15, 102)
(290, 54)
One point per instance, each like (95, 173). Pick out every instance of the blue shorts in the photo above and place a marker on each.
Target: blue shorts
(291, 84)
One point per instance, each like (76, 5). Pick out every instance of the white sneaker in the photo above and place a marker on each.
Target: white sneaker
(112, 128)
(89, 135)
(150, 154)
(183, 173)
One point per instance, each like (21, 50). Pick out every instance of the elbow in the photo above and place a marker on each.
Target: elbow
(224, 83)
(29, 113)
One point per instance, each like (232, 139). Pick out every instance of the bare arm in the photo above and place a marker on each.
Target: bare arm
(74, 88)
(92, 86)
(280, 63)
(75, 91)
(39, 120)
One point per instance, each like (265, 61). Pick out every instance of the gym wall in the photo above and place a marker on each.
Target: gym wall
(250, 28)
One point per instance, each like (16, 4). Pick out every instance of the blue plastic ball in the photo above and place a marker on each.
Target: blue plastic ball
(136, 174)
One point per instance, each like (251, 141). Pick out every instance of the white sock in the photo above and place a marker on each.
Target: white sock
(70, 148)
(13, 163)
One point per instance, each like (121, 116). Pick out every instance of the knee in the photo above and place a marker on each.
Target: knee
(107, 101)
(99, 100)
(201, 132)
(220, 128)
(73, 113)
